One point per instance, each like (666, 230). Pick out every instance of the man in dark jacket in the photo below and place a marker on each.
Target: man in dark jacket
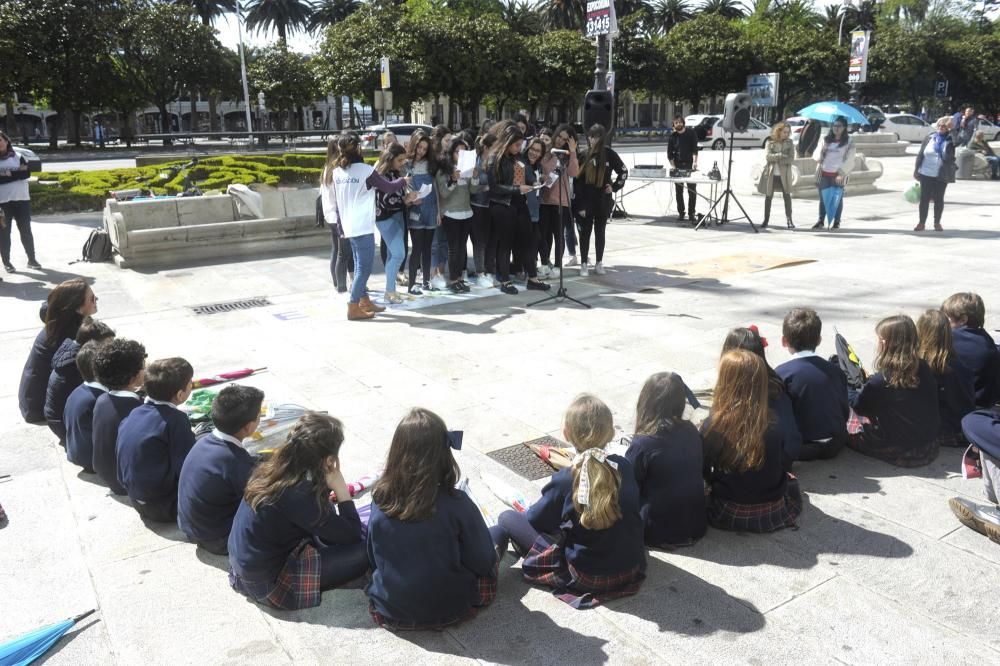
(682, 151)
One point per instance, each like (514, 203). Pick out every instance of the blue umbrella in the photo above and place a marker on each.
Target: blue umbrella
(29, 647)
(829, 111)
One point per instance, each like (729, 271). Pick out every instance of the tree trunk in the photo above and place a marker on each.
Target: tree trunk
(8, 101)
(350, 111)
(193, 117)
(339, 112)
(165, 123)
(75, 128)
(213, 122)
(54, 130)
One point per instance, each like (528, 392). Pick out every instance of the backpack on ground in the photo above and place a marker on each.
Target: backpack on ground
(97, 247)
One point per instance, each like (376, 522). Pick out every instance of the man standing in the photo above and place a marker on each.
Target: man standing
(682, 151)
(965, 126)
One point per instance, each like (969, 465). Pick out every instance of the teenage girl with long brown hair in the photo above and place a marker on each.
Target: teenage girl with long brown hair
(955, 383)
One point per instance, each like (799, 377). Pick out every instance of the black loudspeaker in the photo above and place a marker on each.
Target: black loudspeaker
(598, 108)
(736, 117)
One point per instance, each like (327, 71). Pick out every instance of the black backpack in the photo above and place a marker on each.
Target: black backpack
(97, 247)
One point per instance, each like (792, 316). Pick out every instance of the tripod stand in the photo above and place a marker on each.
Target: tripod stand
(726, 195)
(563, 185)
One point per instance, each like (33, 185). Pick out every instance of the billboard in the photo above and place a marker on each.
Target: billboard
(857, 66)
(601, 19)
(763, 88)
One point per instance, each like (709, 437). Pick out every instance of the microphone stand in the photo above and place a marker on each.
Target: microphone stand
(563, 185)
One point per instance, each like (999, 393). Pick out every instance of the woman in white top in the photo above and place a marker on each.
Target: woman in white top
(349, 193)
(935, 168)
(834, 162)
(15, 202)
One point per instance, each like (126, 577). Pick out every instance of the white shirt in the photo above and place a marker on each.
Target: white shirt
(804, 354)
(126, 394)
(226, 438)
(931, 165)
(154, 401)
(353, 200)
(97, 385)
(834, 157)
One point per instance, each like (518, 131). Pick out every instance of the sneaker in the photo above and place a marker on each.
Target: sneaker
(393, 299)
(37, 266)
(819, 225)
(415, 290)
(438, 282)
(583, 270)
(429, 286)
(983, 519)
(484, 281)
(572, 261)
(544, 271)
(554, 273)
(455, 287)
(9, 268)
(599, 268)
(538, 285)
(402, 280)
(508, 288)
(464, 286)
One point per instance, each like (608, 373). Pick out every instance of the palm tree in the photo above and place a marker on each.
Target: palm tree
(562, 14)
(730, 9)
(327, 12)
(522, 17)
(800, 12)
(665, 14)
(283, 16)
(206, 11)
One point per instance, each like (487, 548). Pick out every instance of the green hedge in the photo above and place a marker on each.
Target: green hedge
(73, 191)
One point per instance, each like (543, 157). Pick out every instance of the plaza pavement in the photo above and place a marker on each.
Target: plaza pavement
(879, 570)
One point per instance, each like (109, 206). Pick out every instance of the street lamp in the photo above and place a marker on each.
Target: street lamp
(843, 15)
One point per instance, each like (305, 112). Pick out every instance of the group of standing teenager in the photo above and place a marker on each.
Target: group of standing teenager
(522, 205)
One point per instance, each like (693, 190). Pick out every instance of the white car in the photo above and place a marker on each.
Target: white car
(711, 135)
(990, 130)
(906, 126)
(403, 132)
(34, 164)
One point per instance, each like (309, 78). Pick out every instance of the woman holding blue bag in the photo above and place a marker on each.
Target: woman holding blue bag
(935, 168)
(835, 156)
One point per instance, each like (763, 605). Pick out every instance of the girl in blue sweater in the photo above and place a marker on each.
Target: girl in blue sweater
(583, 537)
(432, 560)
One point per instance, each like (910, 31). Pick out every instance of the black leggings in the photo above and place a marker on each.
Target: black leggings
(502, 222)
(19, 212)
(931, 189)
(525, 241)
(423, 240)
(341, 260)
(481, 241)
(598, 225)
(457, 232)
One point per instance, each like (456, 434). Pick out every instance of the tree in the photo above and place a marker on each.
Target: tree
(706, 56)
(327, 12)
(282, 16)
(206, 11)
(563, 14)
(285, 77)
(562, 64)
(729, 9)
(898, 65)
(522, 18)
(665, 14)
(19, 74)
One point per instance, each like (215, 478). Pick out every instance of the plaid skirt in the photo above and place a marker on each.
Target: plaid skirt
(763, 517)
(871, 443)
(297, 585)
(545, 564)
(486, 592)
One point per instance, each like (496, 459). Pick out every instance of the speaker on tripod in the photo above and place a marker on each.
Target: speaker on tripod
(598, 109)
(736, 115)
(735, 118)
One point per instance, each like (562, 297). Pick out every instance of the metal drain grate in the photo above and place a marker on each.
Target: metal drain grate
(230, 306)
(523, 460)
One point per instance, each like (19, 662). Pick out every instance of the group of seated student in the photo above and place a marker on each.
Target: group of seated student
(291, 530)
(513, 215)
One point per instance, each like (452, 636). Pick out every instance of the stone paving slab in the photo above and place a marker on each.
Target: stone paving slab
(878, 571)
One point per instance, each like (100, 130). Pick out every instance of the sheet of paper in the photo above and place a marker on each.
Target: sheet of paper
(548, 182)
(424, 190)
(466, 162)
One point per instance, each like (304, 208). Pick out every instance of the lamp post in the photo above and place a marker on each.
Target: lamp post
(843, 15)
(243, 70)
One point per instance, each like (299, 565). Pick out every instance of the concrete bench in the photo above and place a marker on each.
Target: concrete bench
(862, 179)
(880, 144)
(171, 231)
(971, 165)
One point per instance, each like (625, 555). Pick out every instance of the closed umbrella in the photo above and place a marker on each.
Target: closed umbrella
(849, 362)
(828, 111)
(29, 647)
(224, 377)
(832, 196)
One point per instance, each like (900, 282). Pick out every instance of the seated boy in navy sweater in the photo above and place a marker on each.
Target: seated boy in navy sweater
(817, 388)
(975, 347)
(78, 414)
(215, 472)
(119, 366)
(154, 440)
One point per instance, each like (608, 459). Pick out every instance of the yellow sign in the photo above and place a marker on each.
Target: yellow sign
(384, 74)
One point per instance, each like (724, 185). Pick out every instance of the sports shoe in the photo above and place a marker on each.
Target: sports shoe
(572, 261)
(484, 281)
(455, 287)
(508, 288)
(37, 266)
(464, 286)
(415, 290)
(544, 271)
(583, 270)
(429, 286)
(9, 268)
(438, 282)
(538, 285)
(983, 519)
(554, 272)
(402, 280)
(599, 268)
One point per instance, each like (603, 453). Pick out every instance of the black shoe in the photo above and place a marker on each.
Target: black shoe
(35, 265)
(789, 224)
(836, 224)
(464, 286)
(10, 268)
(693, 217)
(428, 287)
(455, 288)
(818, 225)
(763, 225)
(681, 216)
(538, 285)
(508, 288)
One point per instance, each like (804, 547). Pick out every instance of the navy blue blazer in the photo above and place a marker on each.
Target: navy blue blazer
(213, 478)
(818, 391)
(977, 350)
(109, 412)
(956, 396)
(153, 442)
(78, 419)
(617, 549)
(906, 417)
(426, 571)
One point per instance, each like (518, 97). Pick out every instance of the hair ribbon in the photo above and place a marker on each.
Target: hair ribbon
(601, 456)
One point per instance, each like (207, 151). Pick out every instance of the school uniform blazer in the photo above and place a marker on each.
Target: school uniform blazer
(668, 468)
(109, 412)
(978, 352)
(616, 549)
(262, 540)
(756, 486)
(907, 418)
(818, 392)
(65, 377)
(78, 419)
(426, 571)
(153, 442)
(956, 396)
(211, 484)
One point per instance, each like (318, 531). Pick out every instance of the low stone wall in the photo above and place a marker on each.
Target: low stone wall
(171, 231)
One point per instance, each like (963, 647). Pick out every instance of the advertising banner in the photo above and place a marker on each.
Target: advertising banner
(763, 88)
(857, 67)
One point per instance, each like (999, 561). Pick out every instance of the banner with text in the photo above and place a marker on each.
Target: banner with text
(601, 19)
(857, 67)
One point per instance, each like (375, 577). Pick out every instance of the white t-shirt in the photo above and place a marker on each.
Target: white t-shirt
(16, 190)
(354, 200)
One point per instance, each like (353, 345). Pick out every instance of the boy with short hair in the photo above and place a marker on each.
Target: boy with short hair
(216, 471)
(119, 366)
(78, 414)
(817, 388)
(975, 347)
(154, 440)
(982, 428)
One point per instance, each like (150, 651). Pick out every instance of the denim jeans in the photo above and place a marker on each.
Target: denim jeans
(363, 248)
(392, 232)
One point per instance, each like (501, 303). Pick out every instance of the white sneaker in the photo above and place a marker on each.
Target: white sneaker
(485, 281)
(438, 282)
(583, 270)
(554, 272)
(572, 261)
(544, 271)
(599, 268)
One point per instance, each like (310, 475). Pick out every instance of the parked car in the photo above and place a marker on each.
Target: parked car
(906, 126)
(711, 135)
(875, 117)
(403, 132)
(989, 129)
(34, 162)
